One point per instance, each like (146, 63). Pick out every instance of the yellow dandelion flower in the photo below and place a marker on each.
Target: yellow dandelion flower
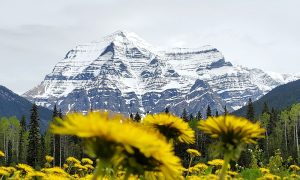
(210, 177)
(88, 166)
(25, 168)
(55, 171)
(233, 132)
(86, 161)
(2, 154)
(201, 166)
(193, 177)
(295, 176)
(264, 170)
(193, 152)
(79, 166)
(232, 173)
(270, 176)
(216, 162)
(72, 160)
(49, 159)
(294, 168)
(65, 166)
(232, 129)
(172, 127)
(8, 169)
(111, 139)
(4, 172)
(36, 174)
(55, 176)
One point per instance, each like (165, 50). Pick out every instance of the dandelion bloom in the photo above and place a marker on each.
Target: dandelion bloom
(294, 168)
(193, 152)
(172, 127)
(4, 172)
(216, 162)
(264, 170)
(57, 171)
(2, 154)
(25, 167)
(232, 129)
(86, 161)
(109, 137)
(49, 159)
(72, 160)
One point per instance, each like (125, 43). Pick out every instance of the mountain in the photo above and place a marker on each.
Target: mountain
(124, 73)
(279, 98)
(12, 104)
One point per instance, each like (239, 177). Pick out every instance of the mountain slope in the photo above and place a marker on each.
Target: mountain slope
(279, 98)
(12, 104)
(124, 73)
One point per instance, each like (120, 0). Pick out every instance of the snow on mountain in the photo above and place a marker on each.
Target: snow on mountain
(124, 73)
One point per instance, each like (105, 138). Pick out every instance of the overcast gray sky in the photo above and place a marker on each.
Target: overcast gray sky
(36, 34)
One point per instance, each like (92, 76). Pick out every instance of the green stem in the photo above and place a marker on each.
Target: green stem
(224, 167)
(189, 166)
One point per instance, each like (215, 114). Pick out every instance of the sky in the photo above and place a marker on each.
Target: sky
(36, 34)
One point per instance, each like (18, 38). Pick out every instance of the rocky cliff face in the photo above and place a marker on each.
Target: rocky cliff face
(124, 73)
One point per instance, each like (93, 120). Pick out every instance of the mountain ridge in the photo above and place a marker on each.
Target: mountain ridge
(12, 104)
(124, 73)
(279, 98)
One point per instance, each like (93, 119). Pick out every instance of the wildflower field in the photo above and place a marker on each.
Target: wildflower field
(116, 147)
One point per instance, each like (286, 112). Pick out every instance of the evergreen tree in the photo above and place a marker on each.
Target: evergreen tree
(34, 137)
(250, 110)
(199, 116)
(56, 140)
(225, 110)
(217, 113)
(191, 118)
(21, 146)
(137, 117)
(265, 108)
(167, 110)
(42, 150)
(273, 121)
(184, 115)
(9, 152)
(131, 116)
(208, 111)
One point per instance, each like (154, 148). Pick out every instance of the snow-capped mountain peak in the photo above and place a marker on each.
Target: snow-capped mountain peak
(124, 73)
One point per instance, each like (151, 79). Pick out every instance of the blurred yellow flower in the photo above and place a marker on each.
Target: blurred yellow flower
(36, 174)
(79, 166)
(172, 127)
(88, 166)
(109, 137)
(86, 161)
(2, 154)
(8, 169)
(72, 160)
(193, 152)
(216, 162)
(264, 170)
(232, 129)
(49, 159)
(65, 166)
(4, 172)
(25, 168)
(294, 168)
(55, 171)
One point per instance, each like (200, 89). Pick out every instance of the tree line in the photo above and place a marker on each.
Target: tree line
(23, 142)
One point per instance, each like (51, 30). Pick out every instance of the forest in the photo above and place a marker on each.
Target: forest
(274, 152)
